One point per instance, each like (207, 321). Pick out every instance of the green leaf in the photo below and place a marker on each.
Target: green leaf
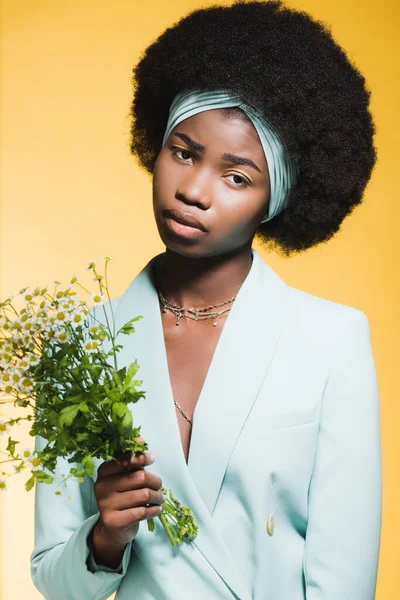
(88, 464)
(67, 415)
(11, 446)
(30, 483)
(42, 477)
(83, 407)
(128, 328)
(76, 472)
(120, 413)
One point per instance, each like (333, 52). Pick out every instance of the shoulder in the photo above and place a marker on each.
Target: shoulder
(323, 322)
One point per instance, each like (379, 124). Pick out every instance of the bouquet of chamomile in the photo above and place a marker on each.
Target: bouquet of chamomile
(54, 364)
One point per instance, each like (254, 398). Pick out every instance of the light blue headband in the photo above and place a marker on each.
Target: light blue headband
(282, 167)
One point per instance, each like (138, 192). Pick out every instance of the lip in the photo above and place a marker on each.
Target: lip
(185, 219)
(182, 231)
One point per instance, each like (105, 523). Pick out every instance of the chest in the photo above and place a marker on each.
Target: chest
(189, 348)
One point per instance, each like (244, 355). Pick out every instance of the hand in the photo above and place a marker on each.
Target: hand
(126, 494)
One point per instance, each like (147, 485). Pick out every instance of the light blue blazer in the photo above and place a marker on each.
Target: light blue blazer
(284, 469)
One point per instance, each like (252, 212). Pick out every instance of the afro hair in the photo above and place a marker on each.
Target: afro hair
(288, 65)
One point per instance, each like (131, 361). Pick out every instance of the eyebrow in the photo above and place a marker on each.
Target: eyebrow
(232, 158)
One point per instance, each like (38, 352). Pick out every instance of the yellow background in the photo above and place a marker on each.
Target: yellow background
(71, 192)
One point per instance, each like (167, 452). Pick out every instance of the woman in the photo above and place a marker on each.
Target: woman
(261, 405)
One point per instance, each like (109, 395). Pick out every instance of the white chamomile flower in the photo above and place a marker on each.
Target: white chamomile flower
(60, 316)
(28, 297)
(16, 376)
(5, 376)
(92, 346)
(97, 298)
(91, 265)
(107, 258)
(3, 486)
(62, 336)
(59, 295)
(4, 427)
(23, 364)
(6, 391)
(25, 385)
(75, 278)
(27, 454)
(3, 321)
(6, 302)
(77, 318)
(35, 463)
(33, 359)
(100, 277)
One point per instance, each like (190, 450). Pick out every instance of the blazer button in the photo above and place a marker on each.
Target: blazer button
(270, 524)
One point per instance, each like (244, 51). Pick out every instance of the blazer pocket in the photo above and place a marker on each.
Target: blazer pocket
(287, 420)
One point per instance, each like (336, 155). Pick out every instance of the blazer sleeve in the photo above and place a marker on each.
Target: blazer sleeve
(63, 524)
(345, 494)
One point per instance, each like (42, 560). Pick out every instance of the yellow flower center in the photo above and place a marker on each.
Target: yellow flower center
(2, 485)
(36, 462)
(3, 427)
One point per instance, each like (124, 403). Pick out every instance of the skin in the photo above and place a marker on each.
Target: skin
(123, 489)
(213, 267)
(196, 272)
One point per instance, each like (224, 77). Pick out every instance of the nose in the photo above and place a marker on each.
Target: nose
(195, 188)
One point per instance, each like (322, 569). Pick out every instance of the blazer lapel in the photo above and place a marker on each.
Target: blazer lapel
(240, 362)
(239, 365)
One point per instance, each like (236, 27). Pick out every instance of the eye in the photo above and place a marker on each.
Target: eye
(175, 151)
(243, 183)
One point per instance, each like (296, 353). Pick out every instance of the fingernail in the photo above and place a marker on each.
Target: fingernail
(150, 457)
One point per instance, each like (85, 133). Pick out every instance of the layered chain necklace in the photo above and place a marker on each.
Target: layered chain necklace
(195, 314)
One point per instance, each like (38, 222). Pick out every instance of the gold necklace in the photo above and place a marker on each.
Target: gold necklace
(188, 419)
(199, 313)
(194, 313)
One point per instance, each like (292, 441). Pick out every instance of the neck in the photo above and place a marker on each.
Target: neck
(188, 281)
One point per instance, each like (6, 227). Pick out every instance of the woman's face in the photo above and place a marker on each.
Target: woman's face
(192, 177)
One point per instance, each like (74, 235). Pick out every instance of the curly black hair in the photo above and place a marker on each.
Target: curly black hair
(288, 65)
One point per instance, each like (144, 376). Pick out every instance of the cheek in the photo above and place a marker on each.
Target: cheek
(242, 210)
(162, 175)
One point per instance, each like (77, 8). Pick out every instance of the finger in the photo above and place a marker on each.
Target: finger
(140, 460)
(136, 480)
(126, 518)
(132, 498)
